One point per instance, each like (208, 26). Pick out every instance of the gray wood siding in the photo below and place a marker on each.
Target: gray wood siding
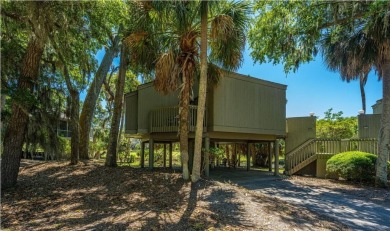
(247, 105)
(377, 107)
(131, 116)
(369, 125)
(149, 99)
(299, 130)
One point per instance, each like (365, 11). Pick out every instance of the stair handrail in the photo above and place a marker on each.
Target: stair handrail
(301, 145)
(296, 151)
(326, 146)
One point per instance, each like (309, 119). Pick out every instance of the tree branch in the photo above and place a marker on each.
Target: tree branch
(107, 84)
(65, 68)
(14, 16)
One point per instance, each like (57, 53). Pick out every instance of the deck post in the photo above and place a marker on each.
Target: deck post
(207, 156)
(270, 156)
(276, 173)
(170, 155)
(151, 153)
(142, 154)
(165, 155)
(248, 157)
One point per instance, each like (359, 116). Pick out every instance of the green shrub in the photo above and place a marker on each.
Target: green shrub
(352, 165)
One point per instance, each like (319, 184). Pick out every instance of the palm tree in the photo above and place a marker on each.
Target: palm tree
(350, 56)
(227, 41)
(196, 166)
(177, 27)
(369, 40)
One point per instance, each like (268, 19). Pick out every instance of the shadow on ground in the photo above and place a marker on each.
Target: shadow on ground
(326, 203)
(56, 196)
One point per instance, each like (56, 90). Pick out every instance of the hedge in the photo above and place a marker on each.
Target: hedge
(354, 166)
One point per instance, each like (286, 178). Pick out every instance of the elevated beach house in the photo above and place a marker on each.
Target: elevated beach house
(240, 109)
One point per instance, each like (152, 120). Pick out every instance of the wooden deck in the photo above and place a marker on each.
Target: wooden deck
(166, 119)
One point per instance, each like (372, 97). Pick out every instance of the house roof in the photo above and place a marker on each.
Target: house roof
(229, 74)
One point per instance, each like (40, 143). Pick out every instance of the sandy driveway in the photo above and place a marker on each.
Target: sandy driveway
(359, 213)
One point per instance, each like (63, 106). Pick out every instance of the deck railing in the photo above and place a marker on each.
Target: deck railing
(310, 148)
(166, 119)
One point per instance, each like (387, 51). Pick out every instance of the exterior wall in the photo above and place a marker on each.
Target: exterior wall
(321, 167)
(299, 130)
(243, 104)
(238, 105)
(369, 125)
(131, 113)
(149, 99)
(377, 107)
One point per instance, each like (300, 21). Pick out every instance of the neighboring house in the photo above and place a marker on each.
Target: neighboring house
(240, 109)
(369, 124)
(377, 107)
(63, 129)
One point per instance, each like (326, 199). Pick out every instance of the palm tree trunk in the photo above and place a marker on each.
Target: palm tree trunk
(202, 95)
(362, 92)
(116, 117)
(15, 133)
(183, 111)
(92, 96)
(384, 133)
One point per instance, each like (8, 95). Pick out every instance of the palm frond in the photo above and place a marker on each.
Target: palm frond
(228, 29)
(222, 27)
(214, 74)
(143, 51)
(166, 73)
(348, 52)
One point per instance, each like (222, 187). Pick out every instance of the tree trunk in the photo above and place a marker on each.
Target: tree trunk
(122, 122)
(116, 117)
(92, 96)
(74, 111)
(183, 111)
(74, 127)
(15, 133)
(202, 95)
(384, 134)
(362, 92)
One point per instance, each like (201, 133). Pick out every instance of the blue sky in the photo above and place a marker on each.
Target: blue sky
(312, 88)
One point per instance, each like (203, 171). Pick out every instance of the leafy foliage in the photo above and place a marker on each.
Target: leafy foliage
(353, 165)
(333, 125)
(291, 32)
(103, 112)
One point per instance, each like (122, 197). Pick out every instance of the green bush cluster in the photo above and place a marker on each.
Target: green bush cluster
(354, 165)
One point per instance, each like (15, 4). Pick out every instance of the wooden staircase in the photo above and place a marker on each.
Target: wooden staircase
(313, 149)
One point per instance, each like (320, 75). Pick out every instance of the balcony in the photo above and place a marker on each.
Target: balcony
(166, 119)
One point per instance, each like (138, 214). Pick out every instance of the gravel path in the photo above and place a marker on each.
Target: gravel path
(353, 206)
